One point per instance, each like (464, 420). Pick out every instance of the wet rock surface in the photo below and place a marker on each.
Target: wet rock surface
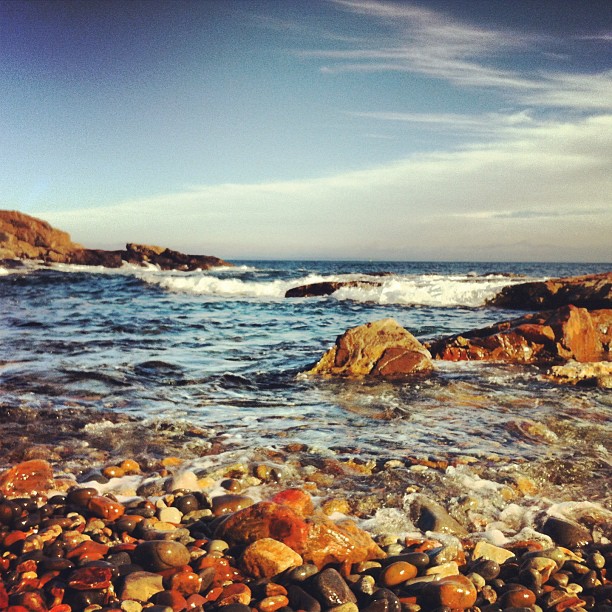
(569, 333)
(381, 349)
(325, 288)
(593, 291)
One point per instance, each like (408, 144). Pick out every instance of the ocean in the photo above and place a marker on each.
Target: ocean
(97, 365)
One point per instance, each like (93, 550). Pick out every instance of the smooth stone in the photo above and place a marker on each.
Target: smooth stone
(567, 533)
(90, 578)
(433, 517)
(484, 550)
(226, 504)
(159, 555)
(27, 478)
(172, 599)
(268, 557)
(516, 596)
(418, 559)
(273, 603)
(487, 568)
(331, 589)
(450, 568)
(455, 592)
(170, 515)
(186, 503)
(141, 586)
(299, 599)
(396, 573)
(302, 573)
(383, 600)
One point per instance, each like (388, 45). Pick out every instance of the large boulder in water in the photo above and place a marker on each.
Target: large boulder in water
(593, 291)
(381, 349)
(547, 337)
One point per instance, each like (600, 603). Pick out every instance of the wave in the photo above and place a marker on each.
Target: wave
(414, 290)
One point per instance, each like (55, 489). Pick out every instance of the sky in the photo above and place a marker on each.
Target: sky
(472, 130)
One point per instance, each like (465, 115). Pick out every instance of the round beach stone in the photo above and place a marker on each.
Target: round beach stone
(267, 557)
(567, 533)
(159, 555)
(517, 596)
(396, 573)
(141, 586)
(226, 504)
(455, 592)
(331, 589)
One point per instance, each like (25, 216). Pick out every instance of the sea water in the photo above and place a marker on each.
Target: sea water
(218, 354)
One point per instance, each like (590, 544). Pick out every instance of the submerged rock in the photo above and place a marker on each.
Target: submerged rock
(546, 337)
(597, 373)
(326, 288)
(23, 237)
(591, 291)
(381, 349)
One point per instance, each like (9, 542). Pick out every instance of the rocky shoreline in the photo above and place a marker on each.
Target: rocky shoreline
(160, 537)
(24, 238)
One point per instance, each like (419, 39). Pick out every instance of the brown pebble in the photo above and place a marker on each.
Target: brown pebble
(226, 504)
(397, 573)
(455, 592)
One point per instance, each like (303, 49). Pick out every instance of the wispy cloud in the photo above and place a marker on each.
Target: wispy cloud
(422, 41)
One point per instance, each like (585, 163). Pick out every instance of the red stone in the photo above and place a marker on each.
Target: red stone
(89, 550)
(223, 570)
(105, 508)
(297, 500)
(236, 593)
(186, 582)
(27, 479)
(90, 578)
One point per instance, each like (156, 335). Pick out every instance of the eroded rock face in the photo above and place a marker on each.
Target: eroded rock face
(594, 374)
(546, 337)
(381, 349)
(593, 291)
(25, 237)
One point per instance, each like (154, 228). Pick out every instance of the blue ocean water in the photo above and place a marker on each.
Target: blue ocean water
(223, 350)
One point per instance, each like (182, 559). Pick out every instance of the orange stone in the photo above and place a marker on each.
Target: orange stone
(90, 578)
(236, 593)
(27, 479)
(223, 570)
(397, 573)
(105, 508)
(296, 499)
(186, 582)
(517, 596)
(268, 557)
(273, 603)
(456, 592)
(88, 550)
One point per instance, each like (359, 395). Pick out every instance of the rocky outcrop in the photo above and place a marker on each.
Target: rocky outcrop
(382, 349)
(23, 237)
(546, 337)
(326, 288)
(593, 291)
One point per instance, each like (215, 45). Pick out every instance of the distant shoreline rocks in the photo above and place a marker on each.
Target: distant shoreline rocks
(26, 238)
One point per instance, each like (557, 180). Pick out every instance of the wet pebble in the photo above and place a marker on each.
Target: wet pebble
(158, 555)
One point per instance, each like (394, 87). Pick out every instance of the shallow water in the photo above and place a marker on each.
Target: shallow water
(183, 358)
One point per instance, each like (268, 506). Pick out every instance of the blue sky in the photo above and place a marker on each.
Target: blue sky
(351, 129)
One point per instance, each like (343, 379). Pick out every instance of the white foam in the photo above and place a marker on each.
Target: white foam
(423, 290)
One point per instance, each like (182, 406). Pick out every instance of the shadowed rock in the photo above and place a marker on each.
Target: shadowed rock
(381, 349)
(593, 291)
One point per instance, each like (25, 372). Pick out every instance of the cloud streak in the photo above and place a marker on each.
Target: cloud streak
(425, 42)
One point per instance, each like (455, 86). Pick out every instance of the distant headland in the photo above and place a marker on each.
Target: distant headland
(23, 237)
